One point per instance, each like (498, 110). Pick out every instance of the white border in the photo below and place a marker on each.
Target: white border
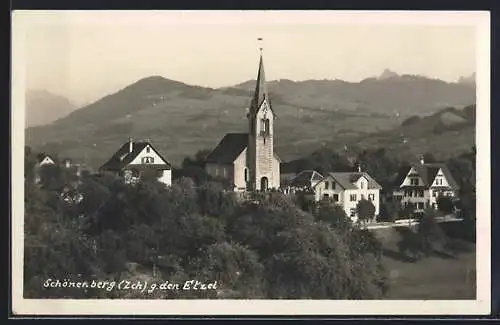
(481, 20)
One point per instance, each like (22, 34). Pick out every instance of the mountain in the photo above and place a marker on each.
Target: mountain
(181, 119)
(468, 80)
(389, 93)
(387, 74)
(445, 133)
(43, 107)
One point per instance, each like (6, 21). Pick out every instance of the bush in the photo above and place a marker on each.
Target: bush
(365, 210)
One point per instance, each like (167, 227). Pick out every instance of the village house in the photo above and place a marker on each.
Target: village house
(42, 160)
(344, 188)
(423, 183)
(248, 160)
(136, 158)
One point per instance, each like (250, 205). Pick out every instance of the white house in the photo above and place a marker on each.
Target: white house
(45, 160)
(345, 189)
(248, 160)
(422, 183)
(136, 158)
(42, 161)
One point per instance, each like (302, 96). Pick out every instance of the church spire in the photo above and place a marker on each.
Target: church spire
(260, 89)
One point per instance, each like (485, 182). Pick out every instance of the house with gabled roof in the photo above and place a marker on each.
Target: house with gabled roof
(422, 183)
(44, 159)
(136, 158)
(248, 160)
(343, 188)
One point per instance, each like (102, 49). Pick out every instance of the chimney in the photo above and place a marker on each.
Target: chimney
(422, 161)
(130, 145)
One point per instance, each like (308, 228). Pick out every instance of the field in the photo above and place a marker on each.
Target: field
(434, 277)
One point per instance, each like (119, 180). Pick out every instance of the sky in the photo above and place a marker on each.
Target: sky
(86, 55)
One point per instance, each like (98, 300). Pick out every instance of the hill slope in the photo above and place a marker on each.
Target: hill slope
(43, 107)
(181, 119)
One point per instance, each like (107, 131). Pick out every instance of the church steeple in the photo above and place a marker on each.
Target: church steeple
(260, 93)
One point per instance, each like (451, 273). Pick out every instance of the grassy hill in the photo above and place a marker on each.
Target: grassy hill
(439, 276)
(182, 119)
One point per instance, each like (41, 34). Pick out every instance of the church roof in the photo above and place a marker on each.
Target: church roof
(122, 157)
(229, 148)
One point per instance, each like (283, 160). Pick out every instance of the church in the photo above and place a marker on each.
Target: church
(248, 160)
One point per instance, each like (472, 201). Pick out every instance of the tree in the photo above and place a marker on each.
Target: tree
(365, 210)
(429, 157)
(333, 214)
(408, 210)
(429, 231)
(389, 211)
(445, 204)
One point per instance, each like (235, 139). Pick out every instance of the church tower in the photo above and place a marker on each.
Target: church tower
(261, 161)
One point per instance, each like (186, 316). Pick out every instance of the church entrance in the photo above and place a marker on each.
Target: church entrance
(264, 184)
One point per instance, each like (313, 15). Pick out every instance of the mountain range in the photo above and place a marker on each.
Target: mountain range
(181, 119)
(43, 107)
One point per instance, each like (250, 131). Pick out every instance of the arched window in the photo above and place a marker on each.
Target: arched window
(264, 184)
(267, 126)
(246, 174)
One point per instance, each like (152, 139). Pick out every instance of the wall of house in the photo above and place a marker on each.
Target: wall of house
(440, 176)
(156, 158)
(344, 196)
(421, 202)
(239, 166)
(320, 190)
(166, 177)
(360, 193)
(275, 182)
(407, 180)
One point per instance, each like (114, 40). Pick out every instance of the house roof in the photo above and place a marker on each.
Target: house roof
(42, 156)
(305, 178)
(122, 157)
(427, 173)
(229, 148)
(347, 180)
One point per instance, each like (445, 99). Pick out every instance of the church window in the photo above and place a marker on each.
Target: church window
(267, 125)
(246, 174)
